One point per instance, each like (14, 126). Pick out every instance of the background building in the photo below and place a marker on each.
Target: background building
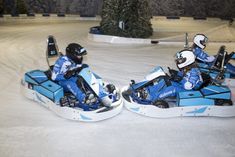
(196, 8)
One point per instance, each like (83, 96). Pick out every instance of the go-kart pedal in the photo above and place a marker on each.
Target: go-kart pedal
(64, 101)
(68, 100)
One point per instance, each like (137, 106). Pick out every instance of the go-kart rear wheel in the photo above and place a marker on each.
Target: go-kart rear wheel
(223, 102)
(161, 104)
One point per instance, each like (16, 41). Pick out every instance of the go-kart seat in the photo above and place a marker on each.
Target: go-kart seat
(220, 60)
(52, 48)
(229, 56)
(49, 72)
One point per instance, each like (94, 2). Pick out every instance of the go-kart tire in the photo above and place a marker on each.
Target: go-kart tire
(222, 102)
(161, 104)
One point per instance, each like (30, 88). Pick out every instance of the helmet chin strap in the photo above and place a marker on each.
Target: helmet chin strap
(186, 69)
(78, 60)
(75, 59)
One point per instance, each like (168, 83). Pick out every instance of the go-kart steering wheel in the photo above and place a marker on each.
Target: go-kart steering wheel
(174, 75)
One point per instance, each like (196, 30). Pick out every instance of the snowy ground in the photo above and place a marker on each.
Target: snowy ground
(29, 130)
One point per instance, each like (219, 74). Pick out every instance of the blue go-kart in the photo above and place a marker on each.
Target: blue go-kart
(105, 102)
(212, 99)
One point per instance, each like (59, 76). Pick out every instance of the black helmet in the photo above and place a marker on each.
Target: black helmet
(73, 50)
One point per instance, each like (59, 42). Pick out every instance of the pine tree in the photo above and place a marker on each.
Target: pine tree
(126, 18)
(110, 17)
(1, 7)
(21, 7)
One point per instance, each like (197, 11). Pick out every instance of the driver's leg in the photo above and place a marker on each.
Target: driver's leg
(71, 85)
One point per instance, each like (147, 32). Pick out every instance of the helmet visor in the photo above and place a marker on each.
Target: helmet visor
(80, 52)
(204, 42)
(83, 51)
(180, 60)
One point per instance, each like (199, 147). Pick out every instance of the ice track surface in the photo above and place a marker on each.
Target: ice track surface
(30, 130)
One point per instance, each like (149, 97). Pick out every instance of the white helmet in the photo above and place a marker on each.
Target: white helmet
(184, 58)
(200, 40)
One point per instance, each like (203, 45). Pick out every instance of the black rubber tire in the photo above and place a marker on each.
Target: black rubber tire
(161, 104)
(223, 102)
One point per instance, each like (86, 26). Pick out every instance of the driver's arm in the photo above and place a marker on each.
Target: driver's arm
(203, 56)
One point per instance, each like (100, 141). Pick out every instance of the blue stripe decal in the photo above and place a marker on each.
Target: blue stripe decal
(196, 102)
(137, 85)
(84, 117)
(201, 110)
(96, 76)
(39, 98)
(219, 96)
(135, 109)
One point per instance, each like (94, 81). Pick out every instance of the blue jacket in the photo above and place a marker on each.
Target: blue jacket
(62, 65)
(208, 60)
(191, 81)
(202, 55)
